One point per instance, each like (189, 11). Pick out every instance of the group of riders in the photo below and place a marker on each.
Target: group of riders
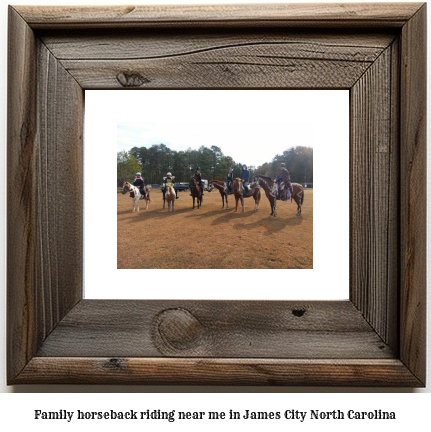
(283, 175)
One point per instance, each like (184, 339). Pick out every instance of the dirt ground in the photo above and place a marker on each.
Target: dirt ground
(214, 238)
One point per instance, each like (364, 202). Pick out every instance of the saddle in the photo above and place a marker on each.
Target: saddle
(143, 193)
(284, 194)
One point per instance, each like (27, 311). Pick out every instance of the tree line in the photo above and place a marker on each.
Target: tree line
(155, 161)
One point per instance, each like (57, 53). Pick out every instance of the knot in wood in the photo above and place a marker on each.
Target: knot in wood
(298, 312)
(131, 79)
(178, 329)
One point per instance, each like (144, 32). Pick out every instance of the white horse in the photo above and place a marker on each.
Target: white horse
(170, 197)
(135, 195)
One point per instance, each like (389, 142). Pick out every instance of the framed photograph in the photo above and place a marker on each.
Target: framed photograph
(376, 337)
(309, 129)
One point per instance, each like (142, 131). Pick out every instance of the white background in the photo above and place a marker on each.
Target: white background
(321, 116)
(17, 409)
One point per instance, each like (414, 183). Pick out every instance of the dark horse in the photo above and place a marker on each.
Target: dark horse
(221, 187)
(239, 193)
(270, 189)
(196, 192)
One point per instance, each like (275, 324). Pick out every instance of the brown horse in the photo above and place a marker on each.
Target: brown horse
(239, 193)
(196, 192)
(170, 198)
(270, 188)
(135, 195)
(297, 195)
(221, 187)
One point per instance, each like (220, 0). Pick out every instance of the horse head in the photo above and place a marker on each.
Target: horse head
(210, 186)
(238, 185)
(169, 190)
(126, 188)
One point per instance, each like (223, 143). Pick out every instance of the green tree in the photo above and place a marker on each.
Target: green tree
(217, 156)
(127, 166)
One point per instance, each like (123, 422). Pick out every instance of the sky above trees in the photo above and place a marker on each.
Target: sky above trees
(251, 126)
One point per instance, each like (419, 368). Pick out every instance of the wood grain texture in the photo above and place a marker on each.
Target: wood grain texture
(59, 183)
(300, 15)
(141, 44)
(192, 59)
(197, 371)
(413, 194)
(45, 212)
(226, 329)
(376, 338)
(21, 235)
(374, 195)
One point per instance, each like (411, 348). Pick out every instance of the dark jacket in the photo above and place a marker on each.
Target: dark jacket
(139, 183)
(245, 175)
(284, 175)
(198, 177)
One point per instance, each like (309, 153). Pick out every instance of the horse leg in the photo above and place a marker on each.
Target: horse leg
(299, 206)
(274, 208)
(227, 204)
(222, 200)
(236, 199)
(173, 204)
(256, 203)
(242, 203)
(137, 204)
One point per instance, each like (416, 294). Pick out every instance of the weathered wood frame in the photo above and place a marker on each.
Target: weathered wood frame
(376, 338)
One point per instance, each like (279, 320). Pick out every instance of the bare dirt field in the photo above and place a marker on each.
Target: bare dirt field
(214, 238)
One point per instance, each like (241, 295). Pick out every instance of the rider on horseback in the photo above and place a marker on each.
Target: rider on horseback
(245, 175)
(283, 175)
(198, 177)
(169, 180)
(139, 183)
(229, 181)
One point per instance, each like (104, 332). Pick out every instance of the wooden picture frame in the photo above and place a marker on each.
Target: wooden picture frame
(376, 338)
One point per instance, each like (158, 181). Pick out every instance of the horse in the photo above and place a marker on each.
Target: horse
(170, 198)
(270, 188)
(196, 192)
(221, 187)
(135, 195)
(297, 195)
(239, 193)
